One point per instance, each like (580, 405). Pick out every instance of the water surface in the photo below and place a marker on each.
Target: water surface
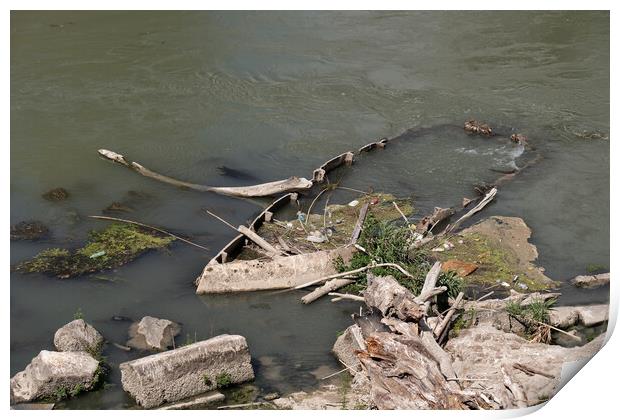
(275, 94)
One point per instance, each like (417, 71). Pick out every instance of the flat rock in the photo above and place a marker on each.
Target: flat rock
(590, 282)
(461, 268)
(152, 334)
(77, 335)
(196, 403)
(563, 317)
(187, 371)
(481, 352)
(51, 371)
(500, 248)
(592, 314)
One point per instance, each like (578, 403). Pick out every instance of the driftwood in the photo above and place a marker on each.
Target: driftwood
(403, 375)
(359, 224)
(439, 329)
(329, 286)
(258, 240)
(391, 299)
(261, 190)
(341, 296)
(356, 271)
(481, 204)
(427, 223)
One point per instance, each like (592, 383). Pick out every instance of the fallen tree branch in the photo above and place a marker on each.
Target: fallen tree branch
(446, 321)
(357, 230)
(530, 371)
(329, 286)
(348, 273)
(486, 200)
(149, 227)
(347, 296)
(261, 190)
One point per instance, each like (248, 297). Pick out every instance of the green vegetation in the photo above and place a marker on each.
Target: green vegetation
(60, 393)
(345, 386)
(463, 321)
(77, 389)
(112, 247)
(534, 316)
(207, 381)
(386, 242)
(596, 268)
(223, 380)
(78, 314)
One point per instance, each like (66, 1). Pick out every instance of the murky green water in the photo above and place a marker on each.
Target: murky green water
(275, 94)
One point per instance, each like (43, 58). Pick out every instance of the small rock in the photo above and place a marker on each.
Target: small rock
(77, 335)
(345, 346)
(152, 334)
(51, 372)
(439, 249)
(354, 203)
(522, 286)
(271, 396)
(28, 231)
(589, 281)
(56, 194)
(504, 284)
(461, 268)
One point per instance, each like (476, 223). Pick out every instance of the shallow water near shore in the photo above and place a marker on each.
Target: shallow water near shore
(275, 95)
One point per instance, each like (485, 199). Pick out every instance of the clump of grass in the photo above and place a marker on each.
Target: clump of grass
(595, 268)
(111, 247)
(534, 316)
(387, 242)
(78, 314)
(223, 380)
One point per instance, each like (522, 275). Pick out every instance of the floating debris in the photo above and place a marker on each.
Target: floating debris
(476, 127)
(56, 194)
(29, 231)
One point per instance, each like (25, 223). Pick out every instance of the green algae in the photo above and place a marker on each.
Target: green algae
(111, 247)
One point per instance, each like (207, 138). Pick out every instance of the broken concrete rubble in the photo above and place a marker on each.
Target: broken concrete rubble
(153, 334)
(190, 370)
(78, 335)
(55, 375)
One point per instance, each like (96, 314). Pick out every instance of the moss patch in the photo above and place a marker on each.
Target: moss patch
(112, 247)
(495, 261)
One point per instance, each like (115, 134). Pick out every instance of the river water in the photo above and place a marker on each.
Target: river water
(275, 94)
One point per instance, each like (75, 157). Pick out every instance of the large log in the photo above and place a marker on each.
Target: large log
(187, 371)
(278, 273)
(261, 190)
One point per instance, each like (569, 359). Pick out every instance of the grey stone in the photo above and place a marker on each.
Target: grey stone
(78, 336)
(52, 371)
(152, 334)
(187, 371)
(345, 347)
(592, 314)
(563, 317)
(591, 281)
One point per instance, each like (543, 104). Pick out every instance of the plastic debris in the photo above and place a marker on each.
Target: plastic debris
(354, 203)
(98, 254)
